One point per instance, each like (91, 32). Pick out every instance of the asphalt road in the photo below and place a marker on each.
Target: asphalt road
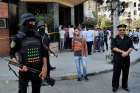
(97, 84)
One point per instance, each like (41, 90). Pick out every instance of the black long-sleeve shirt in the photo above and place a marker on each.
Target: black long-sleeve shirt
(123, 44)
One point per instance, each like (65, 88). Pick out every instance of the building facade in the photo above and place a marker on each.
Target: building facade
(54, 12)
(129, 16)
(133, 9)
(4, 31)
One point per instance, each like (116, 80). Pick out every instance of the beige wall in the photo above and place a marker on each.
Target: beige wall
(69, 3)
(3, 10)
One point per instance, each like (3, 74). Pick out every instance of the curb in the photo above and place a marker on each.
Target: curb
(74, 76)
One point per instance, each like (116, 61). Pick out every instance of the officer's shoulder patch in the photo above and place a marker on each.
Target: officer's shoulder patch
(12, 45)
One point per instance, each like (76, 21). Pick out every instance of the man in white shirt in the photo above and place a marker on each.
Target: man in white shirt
(62, 37)
(89, 40)
(83, 32)
(71, 32)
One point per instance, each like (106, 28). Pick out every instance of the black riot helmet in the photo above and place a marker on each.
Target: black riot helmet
(28, 23)
(41, 27)
(26, 17)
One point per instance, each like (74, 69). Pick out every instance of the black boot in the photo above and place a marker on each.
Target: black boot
(52, 68)
(86, 78)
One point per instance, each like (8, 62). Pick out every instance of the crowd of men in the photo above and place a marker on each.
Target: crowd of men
(97, 39)
(135, 36)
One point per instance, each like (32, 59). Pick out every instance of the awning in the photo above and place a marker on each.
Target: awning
(70, 3)
(3, 10)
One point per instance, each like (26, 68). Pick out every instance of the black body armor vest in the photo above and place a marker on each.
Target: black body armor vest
(30, 51)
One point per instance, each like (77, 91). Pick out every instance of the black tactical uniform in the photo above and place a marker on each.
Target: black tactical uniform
(121, 63)
(27, 43)
(46, 43)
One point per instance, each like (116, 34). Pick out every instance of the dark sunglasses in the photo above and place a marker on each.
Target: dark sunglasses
(121, 29)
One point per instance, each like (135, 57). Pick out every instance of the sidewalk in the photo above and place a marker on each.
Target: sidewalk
(65, 66)
(97, 63)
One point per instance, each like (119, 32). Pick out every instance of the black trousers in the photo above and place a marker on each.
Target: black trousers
(48, 65)
(24, 78)
(120, 66)
(66, 43)
(70, 43)
(89, 47)
(106, 43)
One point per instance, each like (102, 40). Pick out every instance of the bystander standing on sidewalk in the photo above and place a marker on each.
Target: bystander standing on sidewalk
(62, 37)
(71, 31)
(101, 40)
(106, 39)
(83, 32)
(136, 39)
(89, 40)
(66, 43)
(80, 53)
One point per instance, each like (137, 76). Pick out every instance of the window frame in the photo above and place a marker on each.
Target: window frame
(5, 23)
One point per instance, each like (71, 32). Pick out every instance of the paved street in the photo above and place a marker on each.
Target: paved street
(97, 84)
(65, 67)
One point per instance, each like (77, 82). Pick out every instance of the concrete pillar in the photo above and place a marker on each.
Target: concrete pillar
(53, 12)
(22, 8)
(72, 16)
(56, 15)
(12, 15)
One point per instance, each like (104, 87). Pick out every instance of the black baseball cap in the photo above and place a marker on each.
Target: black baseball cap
(122, 25)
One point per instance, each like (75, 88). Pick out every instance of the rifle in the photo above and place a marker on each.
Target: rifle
(20, 65)
(48, 80)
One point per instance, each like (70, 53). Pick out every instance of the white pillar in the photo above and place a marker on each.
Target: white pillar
(56, 14)
(115, 23)
(72, 16)
(53, 12)
(115, 20)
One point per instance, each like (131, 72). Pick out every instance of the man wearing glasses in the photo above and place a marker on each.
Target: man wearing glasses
(121, 47)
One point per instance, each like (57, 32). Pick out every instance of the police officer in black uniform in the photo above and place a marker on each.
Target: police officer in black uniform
(27, 43)
(121, 47)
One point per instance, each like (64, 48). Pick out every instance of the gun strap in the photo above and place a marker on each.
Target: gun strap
(11, 69)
